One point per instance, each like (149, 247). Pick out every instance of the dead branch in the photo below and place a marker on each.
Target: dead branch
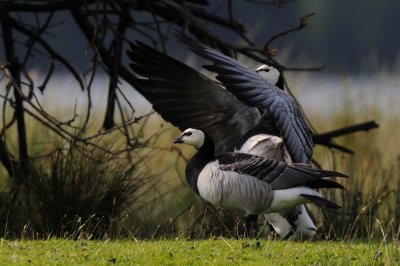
(14, 69)
(302, 24)
(326, 137)
(53, 54)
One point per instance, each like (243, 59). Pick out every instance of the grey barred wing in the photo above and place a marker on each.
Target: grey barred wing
(278, 174)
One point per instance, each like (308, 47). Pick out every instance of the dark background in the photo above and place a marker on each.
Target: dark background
(345, 36)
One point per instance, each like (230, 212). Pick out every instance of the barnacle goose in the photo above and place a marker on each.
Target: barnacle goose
(281, 134)
(251, 183)
(187, 98)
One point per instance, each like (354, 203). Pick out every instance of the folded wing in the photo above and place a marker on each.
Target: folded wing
(278, 174)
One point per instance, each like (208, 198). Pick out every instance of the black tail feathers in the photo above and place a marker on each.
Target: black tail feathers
(321, 201)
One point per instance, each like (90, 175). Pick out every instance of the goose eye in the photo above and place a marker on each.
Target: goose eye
(187, 133)
(263, 69)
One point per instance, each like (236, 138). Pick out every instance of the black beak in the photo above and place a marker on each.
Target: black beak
(178, 140)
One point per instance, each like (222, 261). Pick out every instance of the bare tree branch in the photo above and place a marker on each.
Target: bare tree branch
(14, 70)
(53, 54)
(366, 126)
(302, 24)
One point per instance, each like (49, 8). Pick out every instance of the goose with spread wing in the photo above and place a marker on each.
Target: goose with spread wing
(282, 133)
(187, 98)
(252, 89)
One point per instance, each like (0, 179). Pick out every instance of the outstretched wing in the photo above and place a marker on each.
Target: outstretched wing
(255, 91)
(187, 98)
(278, 174)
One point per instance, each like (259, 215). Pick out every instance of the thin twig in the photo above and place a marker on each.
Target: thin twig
(302, 24)
(47, 47)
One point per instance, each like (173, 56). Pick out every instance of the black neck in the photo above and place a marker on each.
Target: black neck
(204, 155)
(207, 151)
(280, 83)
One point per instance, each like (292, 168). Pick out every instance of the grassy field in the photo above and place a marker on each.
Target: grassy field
(206, 252)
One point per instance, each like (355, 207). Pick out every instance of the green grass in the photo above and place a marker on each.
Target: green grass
(182, 252)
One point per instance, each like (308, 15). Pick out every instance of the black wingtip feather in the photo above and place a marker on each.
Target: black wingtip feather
(321, 201)
(211, 68)
(334, 174)
(324, 173)
(325, 183)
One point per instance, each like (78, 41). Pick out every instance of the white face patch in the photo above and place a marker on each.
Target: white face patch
(269, 73)
(194, 137)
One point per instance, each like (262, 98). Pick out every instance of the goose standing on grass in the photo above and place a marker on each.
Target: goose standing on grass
(281, 134)
(253, 184)
(187, 98)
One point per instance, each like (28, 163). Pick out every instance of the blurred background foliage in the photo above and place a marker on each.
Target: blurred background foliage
(99, 163)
